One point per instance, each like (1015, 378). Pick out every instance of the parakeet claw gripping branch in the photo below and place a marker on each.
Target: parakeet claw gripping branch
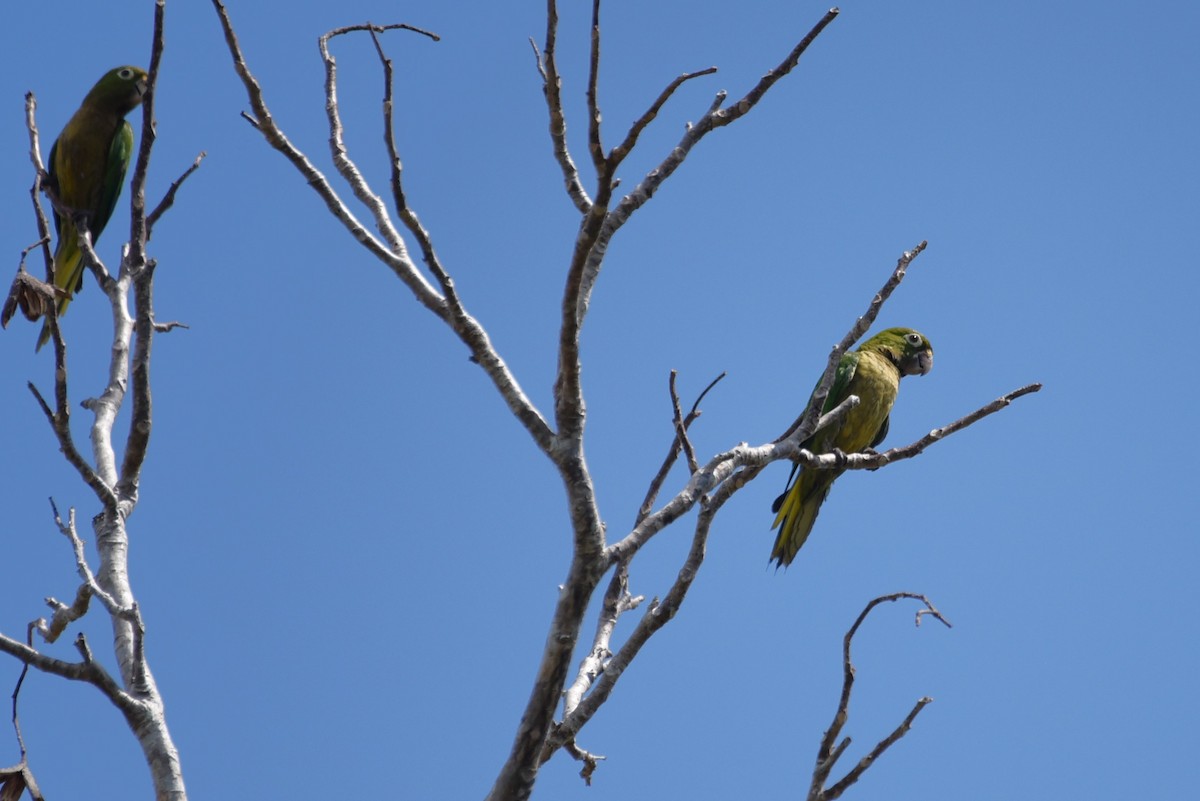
(873, 373)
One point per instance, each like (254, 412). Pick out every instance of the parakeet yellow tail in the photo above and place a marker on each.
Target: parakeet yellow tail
(797, 511)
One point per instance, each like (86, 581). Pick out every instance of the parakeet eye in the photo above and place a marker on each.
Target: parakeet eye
(125, 74)
(914, 339)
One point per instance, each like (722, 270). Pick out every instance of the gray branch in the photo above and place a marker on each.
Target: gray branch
(547, 65)
(393, 254)
(828, 753)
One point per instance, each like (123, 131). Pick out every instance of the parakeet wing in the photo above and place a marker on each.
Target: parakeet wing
(839, 389)
(119, 153)
(837, 393)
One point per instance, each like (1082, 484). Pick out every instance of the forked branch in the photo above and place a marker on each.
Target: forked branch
(830, 749)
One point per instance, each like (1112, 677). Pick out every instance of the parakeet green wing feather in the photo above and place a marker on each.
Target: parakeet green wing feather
(119, 153)
(837, 393)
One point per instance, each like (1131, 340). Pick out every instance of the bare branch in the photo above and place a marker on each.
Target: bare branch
(620, 151)
(169, 198)
(47, 664)
(139, 230)
(827, 753)
(750, 100)
(346, 166)
(680, 429)
(595, 146)
(35, 158)
(88, 671)
(873, 461)
(63, 615)
(672, 454)
(407, 215)
(547, 66)
(887, 742)
(617, 601)
(15, 780)
(266, 125)
(938, 434)
(69, 531)
(656, 616)
(137, 441)
(60, 423)
(714, 118)
(466, 327)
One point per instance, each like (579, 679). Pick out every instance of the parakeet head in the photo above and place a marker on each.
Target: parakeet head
(909, 350)
(120, 90)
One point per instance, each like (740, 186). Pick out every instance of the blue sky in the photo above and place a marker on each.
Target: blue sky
(346, 550)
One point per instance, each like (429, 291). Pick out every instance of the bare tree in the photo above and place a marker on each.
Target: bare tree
(559, 432)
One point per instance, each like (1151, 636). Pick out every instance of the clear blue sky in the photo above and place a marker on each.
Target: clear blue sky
(347, 551)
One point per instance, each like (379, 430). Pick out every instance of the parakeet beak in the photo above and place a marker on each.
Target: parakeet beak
(924, 362)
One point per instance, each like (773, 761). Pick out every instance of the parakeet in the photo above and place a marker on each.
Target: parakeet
(87, 167)
(872, 373)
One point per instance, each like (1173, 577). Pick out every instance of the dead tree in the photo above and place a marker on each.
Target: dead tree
(558, 433)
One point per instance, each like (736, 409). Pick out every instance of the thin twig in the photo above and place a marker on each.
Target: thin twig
(39, 174)
(680, 428)
(69, 530)
(672, 454)
(595, 146)
(169, 198)
(547, 66)
(342, 162)
(751, 98)
(715, 117)
(60, 423)
(640, 124)
(407, 215)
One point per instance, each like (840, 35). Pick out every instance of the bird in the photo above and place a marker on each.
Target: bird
(86, 169)
(873, 373)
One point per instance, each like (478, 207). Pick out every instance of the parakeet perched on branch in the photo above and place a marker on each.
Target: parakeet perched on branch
(87, 167)
(872, 373)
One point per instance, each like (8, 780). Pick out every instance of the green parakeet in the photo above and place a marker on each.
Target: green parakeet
(87, 167)
(872, 373)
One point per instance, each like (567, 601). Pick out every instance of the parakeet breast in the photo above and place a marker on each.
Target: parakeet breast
(875, 382)
(82, 158)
